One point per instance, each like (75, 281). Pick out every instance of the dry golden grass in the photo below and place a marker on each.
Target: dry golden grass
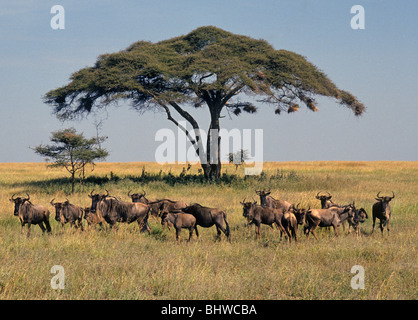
(129, 265)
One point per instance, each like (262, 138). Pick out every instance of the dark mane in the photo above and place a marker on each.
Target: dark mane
(196, 204)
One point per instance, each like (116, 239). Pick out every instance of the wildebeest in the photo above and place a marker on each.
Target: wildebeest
(29, 213)
(93, 218)
(258, 215)
(180, 220)
(96, 198)
(360, 216)
(207, 217)
(138, 197)
(158, 207)
(325, 200)
(268, 201)
(290, 225)
(65, 212)
(113, 210)
(291, 219)
(168, 205)
(381, 210)
(332, 216)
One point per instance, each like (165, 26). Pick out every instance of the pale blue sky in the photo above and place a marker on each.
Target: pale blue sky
(379, 65)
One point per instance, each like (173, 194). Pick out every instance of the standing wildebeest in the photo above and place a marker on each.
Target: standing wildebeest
(207, 217)
(180, 220)
(158, 207)
(96, 198)
(268, 201)
(92, 218)
(326, 200)
(30, 213)
(332, 216)
(381, 210)
(291, 219)
(113, 210)
(262, 215)
(138, 197)
(360, 216)
(66, 212)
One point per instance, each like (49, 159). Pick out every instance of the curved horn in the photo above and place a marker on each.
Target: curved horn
(393, 195)
(52, 202)
(144, 193)
(28, 198)
(329, 194)
(317, 195)
(13, 196)
(91, 194)
(378, 195)
(107, 193)
(129, 193)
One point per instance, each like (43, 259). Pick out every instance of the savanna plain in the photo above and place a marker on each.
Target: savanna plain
(127, 264)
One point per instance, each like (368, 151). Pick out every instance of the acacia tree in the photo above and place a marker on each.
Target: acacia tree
(207, 68)
(72, 151)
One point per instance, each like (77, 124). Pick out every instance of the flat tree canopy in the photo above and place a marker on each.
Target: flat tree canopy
(208, 67)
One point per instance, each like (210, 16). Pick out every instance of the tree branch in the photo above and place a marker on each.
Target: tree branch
(197, 143)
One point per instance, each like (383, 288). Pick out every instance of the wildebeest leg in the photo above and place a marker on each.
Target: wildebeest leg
(307, 229)
(41, 225)
(191, 233)
(374, 221)
(388, 227)
(343, 224)
(335, 226)
(178, 231)
(218, 232)
(381, 227)
(312, 230)
(225, 230)
(143, 226)
(48, 226)
(295, 234)
(287, 234)
(80, 224)
(257, 230)
(197, 233)
(29, 224)
(219, 228)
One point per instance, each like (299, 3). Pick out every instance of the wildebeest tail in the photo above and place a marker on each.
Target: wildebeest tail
(227, 232)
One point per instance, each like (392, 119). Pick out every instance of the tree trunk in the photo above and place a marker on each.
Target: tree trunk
(72, 181)
(212, 169)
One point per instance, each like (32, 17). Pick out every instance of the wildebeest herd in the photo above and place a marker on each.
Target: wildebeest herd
(180, 215)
